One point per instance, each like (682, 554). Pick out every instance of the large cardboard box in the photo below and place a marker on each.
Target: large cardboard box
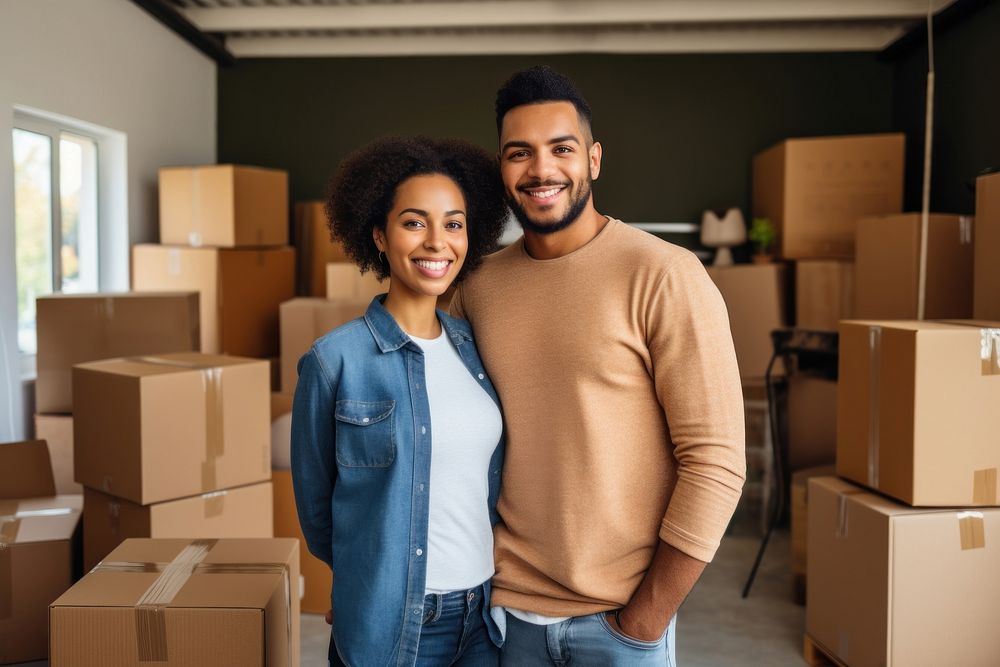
(74, 328)
(240, 291)
(824, 293)
(812, 421)
(917, 414)
(815, 189)
(887, 267)
(345, 282)
(757, 297)
(150, 429)
(223, 205)
(314, 247)
(302, 322)
(245, 511)
(281, 431)
(38, 549)
(183, 603)
(317, 579)
(57, 431)
(901, 587)
(986, 292)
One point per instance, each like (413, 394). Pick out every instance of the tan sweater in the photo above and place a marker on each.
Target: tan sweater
(624, 415)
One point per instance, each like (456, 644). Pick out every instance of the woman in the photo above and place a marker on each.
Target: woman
(396, 430)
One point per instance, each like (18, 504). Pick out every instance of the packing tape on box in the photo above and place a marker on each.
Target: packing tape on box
(984, 487)
(989, 350)
(874, 380)
(964, 230)
(211, 377)
(194, 236)
(150, 609)
(842, 527)
(215, 503)
(10, 525)
(971, 530)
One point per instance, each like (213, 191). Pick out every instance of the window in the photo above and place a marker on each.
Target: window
(56, 215)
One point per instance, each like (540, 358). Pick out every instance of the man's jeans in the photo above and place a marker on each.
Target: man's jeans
(454, 633)
(582, 641)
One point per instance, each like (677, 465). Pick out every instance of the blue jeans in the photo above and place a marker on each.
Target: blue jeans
(582, 641)
(452, 632)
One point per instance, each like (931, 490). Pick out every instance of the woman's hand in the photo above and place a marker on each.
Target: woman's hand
(329, 617)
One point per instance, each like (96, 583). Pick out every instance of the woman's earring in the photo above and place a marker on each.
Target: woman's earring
(381, 256)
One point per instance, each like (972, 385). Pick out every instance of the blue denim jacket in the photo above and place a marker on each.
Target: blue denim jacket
(361, 456)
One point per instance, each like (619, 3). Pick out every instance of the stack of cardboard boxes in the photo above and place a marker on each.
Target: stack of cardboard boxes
(902, 546)
(39, 548)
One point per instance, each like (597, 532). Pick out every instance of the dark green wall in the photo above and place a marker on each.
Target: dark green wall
(966, 109)
(678, 130)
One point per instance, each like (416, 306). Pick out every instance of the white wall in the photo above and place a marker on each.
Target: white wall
(109, 63)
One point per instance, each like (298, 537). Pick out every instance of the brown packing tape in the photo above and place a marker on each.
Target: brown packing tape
(971, 530)
(215, 504)
(874, 400)
(211, 377)
(984, 487)
(842, 527)
(151, 627)
(9, 525)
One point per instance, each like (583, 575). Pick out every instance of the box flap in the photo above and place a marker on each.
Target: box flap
(159, 364)
(46, 519)
(26, 470)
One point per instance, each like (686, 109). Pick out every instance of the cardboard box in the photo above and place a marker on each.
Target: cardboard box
(223, 205)
(815, 189)
(986, 291)
(812, 421)
(757, 297)
(182, 602)
(281, 431)
(888, 263)
(57, 431)
(799, 523)
(917, 414)
(901, 587)
(314, 247)
(245, 511)
(317, 577)
(302, 322)
(74, 328)
(345, 282)
(38, 547)
(824, 294)
(152, 429)
(240, 291)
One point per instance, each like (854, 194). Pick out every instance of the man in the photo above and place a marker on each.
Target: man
(612, 355)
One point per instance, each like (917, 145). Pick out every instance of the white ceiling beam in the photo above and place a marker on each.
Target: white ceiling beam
(547, 13)
(743, 40)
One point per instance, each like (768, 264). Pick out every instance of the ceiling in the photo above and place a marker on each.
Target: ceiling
(298, 28)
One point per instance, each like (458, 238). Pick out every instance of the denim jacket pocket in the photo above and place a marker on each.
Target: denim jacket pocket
(365, 433)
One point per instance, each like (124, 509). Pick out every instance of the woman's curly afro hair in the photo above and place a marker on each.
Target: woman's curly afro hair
(362, 192)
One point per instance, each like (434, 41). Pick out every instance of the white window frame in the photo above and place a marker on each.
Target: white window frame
(112, 201)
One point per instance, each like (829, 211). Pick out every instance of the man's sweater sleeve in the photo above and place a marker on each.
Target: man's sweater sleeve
(698, 385)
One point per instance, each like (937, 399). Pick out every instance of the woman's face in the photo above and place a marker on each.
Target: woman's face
(425, 239)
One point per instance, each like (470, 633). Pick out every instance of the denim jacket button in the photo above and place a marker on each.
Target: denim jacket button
(420, 552)
(423, 430)
(481, 376)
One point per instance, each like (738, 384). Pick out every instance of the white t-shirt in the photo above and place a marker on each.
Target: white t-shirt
(466, 426)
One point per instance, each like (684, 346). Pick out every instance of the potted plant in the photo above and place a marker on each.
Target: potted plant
(762, 235)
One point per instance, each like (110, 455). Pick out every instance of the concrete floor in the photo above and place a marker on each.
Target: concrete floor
(716, 628)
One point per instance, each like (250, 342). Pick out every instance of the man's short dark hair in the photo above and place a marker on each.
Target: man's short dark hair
(537, 85)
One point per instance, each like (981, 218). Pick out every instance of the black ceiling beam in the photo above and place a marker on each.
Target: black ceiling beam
(942, 21)
(208, 44)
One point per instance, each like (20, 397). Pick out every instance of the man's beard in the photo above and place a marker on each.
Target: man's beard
(572, 213)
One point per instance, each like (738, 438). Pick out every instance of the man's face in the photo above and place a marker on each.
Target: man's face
(548, 164)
